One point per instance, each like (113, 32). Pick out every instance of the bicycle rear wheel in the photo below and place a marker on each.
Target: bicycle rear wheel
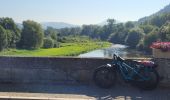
(151, 83)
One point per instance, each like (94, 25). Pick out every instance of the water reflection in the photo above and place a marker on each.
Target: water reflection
(119, 49)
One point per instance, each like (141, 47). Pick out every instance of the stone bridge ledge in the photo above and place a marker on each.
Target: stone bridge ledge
(61, 69)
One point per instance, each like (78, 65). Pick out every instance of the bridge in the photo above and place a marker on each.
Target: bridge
(61, 69)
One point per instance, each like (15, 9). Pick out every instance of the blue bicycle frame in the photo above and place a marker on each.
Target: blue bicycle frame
(124, 69)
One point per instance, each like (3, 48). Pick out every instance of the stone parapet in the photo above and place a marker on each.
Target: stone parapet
(48, 69)
(61, 69)
(164, 70)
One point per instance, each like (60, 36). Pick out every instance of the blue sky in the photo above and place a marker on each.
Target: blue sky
(79, 11)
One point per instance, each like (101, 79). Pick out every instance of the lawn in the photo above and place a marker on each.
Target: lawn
(66, 49)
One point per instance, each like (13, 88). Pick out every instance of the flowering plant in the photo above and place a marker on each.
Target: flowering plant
(164, 46)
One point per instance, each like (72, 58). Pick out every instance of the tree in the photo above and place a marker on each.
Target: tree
(13, 30)
(51, 33)
(164, 32)
(3, 38)
(149, 39)
(118, 37)
(32, 35)
(48, 43)
(108, 29)
(159, 19)
(111, 22)
(75, 31)
(87, 30)
(147, 28)
(129, 24)
(114, 38)
(134, 37)
(93, 31)
(10, 42)
(119, 34)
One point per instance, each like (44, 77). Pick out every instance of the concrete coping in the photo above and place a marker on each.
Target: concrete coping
(72, 57)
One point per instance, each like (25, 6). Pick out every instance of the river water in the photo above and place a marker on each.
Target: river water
(119, 49)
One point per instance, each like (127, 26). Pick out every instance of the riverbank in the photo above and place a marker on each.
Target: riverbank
(66, 49)
(121, 50)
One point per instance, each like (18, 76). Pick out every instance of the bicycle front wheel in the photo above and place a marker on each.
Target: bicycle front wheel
(104, 77)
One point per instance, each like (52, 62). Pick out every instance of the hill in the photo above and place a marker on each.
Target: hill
(57, 25)
(166, 9)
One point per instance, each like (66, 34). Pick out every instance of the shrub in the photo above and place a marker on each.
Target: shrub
(48, 43)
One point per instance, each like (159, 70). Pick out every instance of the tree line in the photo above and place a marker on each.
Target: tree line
(134, 34)
(31, 36)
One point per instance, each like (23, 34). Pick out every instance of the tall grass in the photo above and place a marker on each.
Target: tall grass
(66, 49)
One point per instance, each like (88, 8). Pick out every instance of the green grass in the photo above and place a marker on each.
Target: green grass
(66, 49)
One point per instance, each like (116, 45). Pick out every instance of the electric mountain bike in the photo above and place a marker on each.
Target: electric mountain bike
(141, 74)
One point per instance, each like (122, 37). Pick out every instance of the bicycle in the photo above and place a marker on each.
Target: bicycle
(138, 73)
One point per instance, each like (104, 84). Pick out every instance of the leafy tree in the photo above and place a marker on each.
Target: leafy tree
(32, 35)
(88, 30)
(159, 19)
(149, 39)
(134, 36)
(119, 35)
(147, 28)
(129, 24)
(51, 33)
(93, 31)
(48, 43)
(98, 32)
(13, 30)
(108, 29)
(3, 38)
(164, 32)
(114, 38)
(9, 34)
(75, 31)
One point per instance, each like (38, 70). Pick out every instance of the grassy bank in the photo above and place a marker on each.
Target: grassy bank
(66, 49)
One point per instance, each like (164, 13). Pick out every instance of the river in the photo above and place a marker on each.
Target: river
(119, 49)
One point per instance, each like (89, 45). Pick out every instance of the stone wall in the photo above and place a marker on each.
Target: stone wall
(164, 70)
(48, 69)
(61, 69)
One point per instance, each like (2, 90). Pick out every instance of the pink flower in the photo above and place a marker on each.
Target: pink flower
(164, 46)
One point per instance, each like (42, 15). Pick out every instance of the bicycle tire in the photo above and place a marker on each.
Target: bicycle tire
(150, 84)
(104, 77)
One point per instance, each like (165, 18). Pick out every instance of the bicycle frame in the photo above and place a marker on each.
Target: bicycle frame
(125, 68)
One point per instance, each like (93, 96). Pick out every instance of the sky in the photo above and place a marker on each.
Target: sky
(79, 11)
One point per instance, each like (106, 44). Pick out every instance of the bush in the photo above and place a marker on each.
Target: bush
(48, 43)
(56, 44)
